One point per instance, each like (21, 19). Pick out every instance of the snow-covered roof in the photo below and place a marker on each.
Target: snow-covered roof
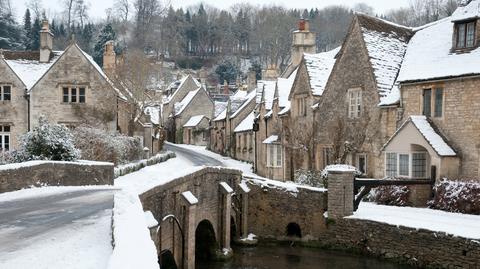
(429, 132)
(150, 219)
(154, 113)
(30, 71)
(319, 67)
(180, 106)
(467, 11)
(221, 116)
(285, 110)
(284, 86)
(392, 98)
(429, 55)
(267, 89)
(219, 107)
(251, 95)
(180, 84)
(271, 139)
(434, 139)
(246, 124)
(386, 45)
(194, 121)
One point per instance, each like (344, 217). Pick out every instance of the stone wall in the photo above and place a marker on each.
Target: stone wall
(39, 173)
(460, 121)
(420, 248)
(271, 209)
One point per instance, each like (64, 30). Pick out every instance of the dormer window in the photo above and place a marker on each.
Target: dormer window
(465, 35)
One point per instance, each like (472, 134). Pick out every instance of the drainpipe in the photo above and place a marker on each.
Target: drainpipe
(27, 97)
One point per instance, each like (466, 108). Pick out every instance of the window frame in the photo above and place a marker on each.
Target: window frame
(3, 135)
(74, 94)
(355, 103)
(2, 92)
(364, 156)
(411, 169)
(274, 155)
(462, 37)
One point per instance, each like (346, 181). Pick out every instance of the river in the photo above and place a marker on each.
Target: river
(285, 257)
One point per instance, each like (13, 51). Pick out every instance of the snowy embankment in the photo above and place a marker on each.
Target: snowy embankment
(125, 169)
(462, 225)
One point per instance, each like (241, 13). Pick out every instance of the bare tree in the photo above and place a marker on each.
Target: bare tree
(81, 11)
(364, 8)
(122, 8)
(36, 7)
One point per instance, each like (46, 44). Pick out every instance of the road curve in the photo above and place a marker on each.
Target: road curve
(194, 157)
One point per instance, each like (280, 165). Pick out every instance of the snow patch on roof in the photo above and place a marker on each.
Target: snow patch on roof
(154, 113)
(392, 98)
(284, 86)
(319, 68)
(386, 52)
(221, 116)
(251, 95)
(219, 107)
(267, 89)
(433, 138)
(180, 106)
(30, 71)
(150, 219)
(285, 110)
(194, 121)
(429, 56)
(467, 12)
(180, 84)
(270, 140)
(246, 124)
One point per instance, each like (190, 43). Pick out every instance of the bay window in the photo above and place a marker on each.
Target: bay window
(412, 165)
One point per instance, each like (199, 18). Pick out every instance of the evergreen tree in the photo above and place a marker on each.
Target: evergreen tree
(106, 34)
(10, 32)
(27, 28)
(226, 71)
(35, 34)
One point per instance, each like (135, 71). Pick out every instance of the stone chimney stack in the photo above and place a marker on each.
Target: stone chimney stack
(46, 42)
(109, 57)
(271, 73)
(251, 80)
(304, 41)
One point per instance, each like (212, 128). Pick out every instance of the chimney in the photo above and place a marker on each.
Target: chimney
(46, 42)
(226, 90)
(304, 41)
(251, 80)
(271, 73)
(109, 58)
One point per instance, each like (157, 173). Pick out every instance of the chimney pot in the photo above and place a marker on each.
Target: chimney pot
(46, 42)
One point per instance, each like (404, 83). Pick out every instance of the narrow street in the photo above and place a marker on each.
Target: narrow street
(197, 159)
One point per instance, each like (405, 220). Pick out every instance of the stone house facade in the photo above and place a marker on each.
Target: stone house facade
(440, 102)
(196, 131)
(67, 87)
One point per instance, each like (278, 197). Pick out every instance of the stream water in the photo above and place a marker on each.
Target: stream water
(285, 257)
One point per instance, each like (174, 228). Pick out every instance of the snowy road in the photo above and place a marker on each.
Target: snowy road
(194, 157)
(38, 226)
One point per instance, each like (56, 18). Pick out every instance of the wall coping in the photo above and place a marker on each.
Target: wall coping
(14, 166)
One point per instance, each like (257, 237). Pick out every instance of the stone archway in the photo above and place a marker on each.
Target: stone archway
(293, 230)
(205, 242)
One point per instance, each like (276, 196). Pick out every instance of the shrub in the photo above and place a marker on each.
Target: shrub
(99, 145)
(391, 195)
(47, 142)
(457, 196)
(310, 178)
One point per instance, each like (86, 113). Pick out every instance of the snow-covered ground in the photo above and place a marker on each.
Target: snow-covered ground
(461, 225)
(56, 227)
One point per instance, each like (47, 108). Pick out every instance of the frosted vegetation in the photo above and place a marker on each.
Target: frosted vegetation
(46, 142)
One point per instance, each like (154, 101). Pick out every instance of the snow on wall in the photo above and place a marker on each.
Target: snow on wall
(13, 166)
(386, 52)
(319, 67)
(429, 55)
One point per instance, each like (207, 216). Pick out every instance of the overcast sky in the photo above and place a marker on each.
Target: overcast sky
(98, 7)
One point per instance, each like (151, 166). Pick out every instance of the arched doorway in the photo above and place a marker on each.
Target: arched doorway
(205, 242)
(293, 230)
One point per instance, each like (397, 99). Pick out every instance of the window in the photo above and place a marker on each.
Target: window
(404, 167)
(354, 103)
(274, 155)
(465, 35)
(427, 102)
(73, 95)
(438, 109)
(436, 106)
(362, 163)
(419, 165)
(302, 107)
(400, 164)
(4, 138)
(5, 93)
(391, 165)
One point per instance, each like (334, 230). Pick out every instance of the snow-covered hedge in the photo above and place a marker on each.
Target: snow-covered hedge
(457, 196)
(99, 145)
(46, 142)
(391, 195)
(310, 178)
(132, 167)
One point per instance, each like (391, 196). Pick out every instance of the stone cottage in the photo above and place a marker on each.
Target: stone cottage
(196, 131)
(67, 87)
(438, 102)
